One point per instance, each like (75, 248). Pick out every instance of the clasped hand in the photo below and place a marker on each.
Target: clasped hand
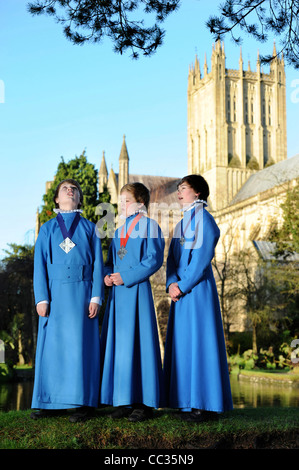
(174, 292)
(114, 278)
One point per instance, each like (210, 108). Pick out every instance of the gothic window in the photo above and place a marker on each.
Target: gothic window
(235, 109)
(251, 111)
(269, 113)
(228, 109)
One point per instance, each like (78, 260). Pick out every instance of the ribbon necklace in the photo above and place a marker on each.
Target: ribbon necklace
(182, 239)
(123, 240)
(67, 245)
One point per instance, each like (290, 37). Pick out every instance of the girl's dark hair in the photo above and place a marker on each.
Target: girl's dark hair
(71, 181)
(198, 184)
(140, 192)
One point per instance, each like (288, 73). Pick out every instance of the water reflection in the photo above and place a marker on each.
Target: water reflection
(17, 396)
(256, 394)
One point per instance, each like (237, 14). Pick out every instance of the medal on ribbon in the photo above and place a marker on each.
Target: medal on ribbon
(123, 240)
(183, 238)
(67, 244)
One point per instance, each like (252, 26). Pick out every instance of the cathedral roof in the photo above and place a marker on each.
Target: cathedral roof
(268, 178)
(162, 188)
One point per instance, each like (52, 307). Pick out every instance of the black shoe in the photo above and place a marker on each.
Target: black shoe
(120, 412)
(198, 416)
(82, 414)
(46, 413)
(140, 414)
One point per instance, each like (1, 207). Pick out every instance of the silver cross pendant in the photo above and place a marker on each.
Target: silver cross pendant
(182, 241)
(122, 252)
(67, 245)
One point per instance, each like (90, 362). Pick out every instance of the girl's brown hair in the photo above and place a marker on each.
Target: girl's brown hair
(198, 184)
(140, 192)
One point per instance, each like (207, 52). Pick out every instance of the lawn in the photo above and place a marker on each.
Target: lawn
(248, 428)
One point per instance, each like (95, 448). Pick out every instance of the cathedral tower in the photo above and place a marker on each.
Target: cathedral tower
(236, 122)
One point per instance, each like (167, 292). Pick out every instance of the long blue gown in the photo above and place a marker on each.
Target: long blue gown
(130, 352)
(195, 364)
(67, 367)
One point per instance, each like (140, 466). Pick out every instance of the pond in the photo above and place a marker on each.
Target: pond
(17, 396)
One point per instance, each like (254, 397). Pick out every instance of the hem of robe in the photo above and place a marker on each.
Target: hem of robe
(201, 406)
(130, 402)
(62, 403)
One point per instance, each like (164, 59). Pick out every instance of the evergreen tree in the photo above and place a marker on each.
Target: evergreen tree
(86, 175)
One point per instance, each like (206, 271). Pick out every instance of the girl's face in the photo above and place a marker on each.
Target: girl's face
(128, 204)
(186, 195)
(68, 197)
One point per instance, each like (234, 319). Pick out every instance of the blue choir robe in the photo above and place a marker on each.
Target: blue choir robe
(195, 362)
(67, 366)
(130, 351)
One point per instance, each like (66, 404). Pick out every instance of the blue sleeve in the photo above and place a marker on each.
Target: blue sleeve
(40, 275)
(171, 269)
(108, 267)
(150, 263)
(201, 256)
(98, 268)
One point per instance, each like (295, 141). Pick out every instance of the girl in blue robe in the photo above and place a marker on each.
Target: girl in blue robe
(132, 378)
(195, 363)
(68, 288)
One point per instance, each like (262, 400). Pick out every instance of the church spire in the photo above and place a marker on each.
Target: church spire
(123, 175)
(103, 174)
(124, 151)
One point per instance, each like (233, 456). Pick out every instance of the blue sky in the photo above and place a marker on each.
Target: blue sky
(60, 99)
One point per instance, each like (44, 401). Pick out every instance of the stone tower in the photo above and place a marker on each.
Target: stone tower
(236, 122)
(123, 175)
(103, 174)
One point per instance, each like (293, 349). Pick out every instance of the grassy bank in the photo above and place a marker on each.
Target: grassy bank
(277, 377)
(256, 428)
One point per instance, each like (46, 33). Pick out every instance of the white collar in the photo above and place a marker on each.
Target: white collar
(61, 211)
(142, 211)
(194, 203)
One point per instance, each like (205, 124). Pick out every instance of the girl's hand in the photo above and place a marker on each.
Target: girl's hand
(108, 281)
(116, 279)
(42, 309)
(174, 292)
(93, 310)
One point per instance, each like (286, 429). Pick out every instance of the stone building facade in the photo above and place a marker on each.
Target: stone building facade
(236, 122)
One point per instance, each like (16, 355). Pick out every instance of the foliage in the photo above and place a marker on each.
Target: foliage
(92, 20)
(266, 359)
(287, 236)
(279, 17)
(16, 302)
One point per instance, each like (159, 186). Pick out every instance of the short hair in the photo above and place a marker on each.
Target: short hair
(71, 181)
(198, 184)
(139, 191)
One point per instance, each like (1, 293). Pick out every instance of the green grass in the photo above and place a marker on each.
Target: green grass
(239, 429)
